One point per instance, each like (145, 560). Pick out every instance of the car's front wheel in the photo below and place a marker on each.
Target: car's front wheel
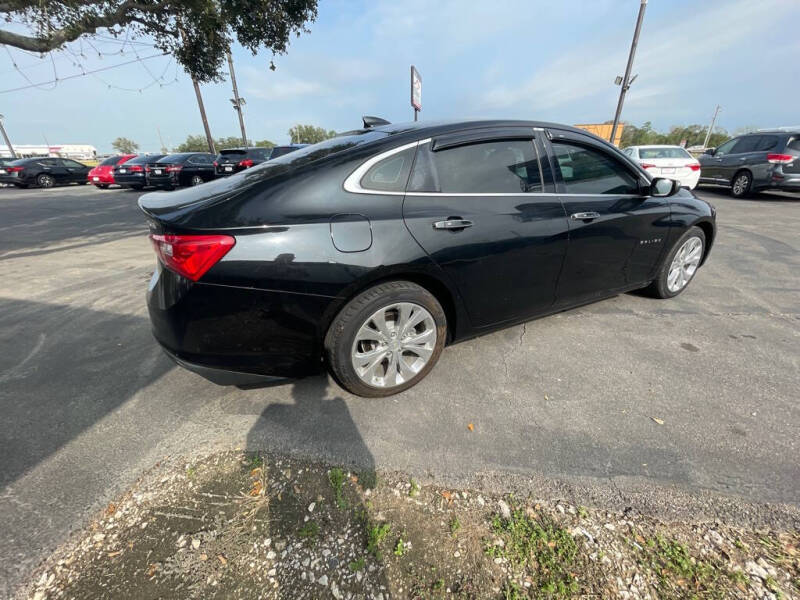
(196, 180)
(386, 339)
(680, 265)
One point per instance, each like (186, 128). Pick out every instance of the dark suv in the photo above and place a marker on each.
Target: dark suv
(765, 160)
(234, 160)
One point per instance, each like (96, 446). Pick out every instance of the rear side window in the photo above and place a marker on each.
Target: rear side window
(280, 151)
(72, 164)
(389, 174)
(492, 167)
(746, 144)
(589, 171)
(767, 142)
(260, 153)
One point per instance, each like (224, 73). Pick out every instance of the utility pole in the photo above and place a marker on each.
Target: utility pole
(237, 102)
(711, 127)
(161, 139)
(209, 139)
(5, 137)
(626, 80)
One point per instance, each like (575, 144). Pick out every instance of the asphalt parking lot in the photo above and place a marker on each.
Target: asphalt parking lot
(698, 393)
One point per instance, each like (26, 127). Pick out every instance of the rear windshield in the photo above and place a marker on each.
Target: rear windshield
(140, 160)
(234, 151)
(663, 153)
(176, 158)
(111, 160)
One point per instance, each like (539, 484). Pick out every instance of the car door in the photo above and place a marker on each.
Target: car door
(75, 171)
(743, 151)
(616, 229)
(710, 164)
(483, 206)
(55, 168)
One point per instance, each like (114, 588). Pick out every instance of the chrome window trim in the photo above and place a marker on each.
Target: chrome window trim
(353, 182)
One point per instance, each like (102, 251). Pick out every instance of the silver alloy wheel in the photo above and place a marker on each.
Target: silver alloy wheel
(46, 181)
(393, 345)
(684, 265)
(196, 180)
(741, 184)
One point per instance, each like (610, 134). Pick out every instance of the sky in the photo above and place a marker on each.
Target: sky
(527, 59)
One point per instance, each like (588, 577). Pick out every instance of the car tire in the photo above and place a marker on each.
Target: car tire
(196, 180)
(102, 186)
(136, 187)
(666, 285)
(391, 361)
(742, 184)
(45, 181)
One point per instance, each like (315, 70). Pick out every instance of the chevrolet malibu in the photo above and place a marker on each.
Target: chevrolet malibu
(367, 253)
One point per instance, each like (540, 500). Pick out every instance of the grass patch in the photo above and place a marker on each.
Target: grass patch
(454, 525)
(547, 550)
(679, 573)
(399, 547)
(336, 477)
(414, 491)
(309, 532)
(375, 536)
(357, 565)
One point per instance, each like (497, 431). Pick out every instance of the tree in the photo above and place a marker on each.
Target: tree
(309, 134)
(693, 134)
(125, 146)
(197, 33)
(197, 143)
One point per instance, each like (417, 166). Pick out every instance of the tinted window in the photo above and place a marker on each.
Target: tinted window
(746, 144)
(767, 142)
(726, 147)
(390, 174)
(111, 160)
(233, 152)
(48, 162)
(502, 166)
(143, 159)
(281, 150)
(589, 171)
(71, 163)
(200, 159)
(663, 153)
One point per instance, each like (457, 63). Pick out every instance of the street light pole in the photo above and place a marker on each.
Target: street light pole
(711, 127)
(626, 80)
(237, 102)
(5, 137)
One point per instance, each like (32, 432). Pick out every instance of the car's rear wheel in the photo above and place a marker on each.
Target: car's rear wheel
(680, 265)
(136, 187)
(103, 186)
(386, 339)
(45, 181)
(742, 184)
(196, 180)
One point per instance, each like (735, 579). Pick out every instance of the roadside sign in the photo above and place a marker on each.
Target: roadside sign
(416, 91)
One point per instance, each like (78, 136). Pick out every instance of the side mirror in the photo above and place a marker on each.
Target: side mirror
(661, 187)
(710, 151)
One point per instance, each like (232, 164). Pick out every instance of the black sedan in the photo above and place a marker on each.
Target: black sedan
(177, 170)
(133, 173)
(368, 252)
(44, 172)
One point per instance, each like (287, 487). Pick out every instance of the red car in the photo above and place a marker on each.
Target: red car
(103, 174)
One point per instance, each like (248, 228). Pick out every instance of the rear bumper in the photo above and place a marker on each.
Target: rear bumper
(222, 376)
(163, 181)
(786, 183)
(131, 179)
(244, 331)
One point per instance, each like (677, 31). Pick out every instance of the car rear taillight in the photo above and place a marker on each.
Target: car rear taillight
(648, 165)
(246, 163)
(135, 169)
(191, 255)
(174, 168)
(216, 164)
(694, 166)
(780, 159)
(15, 169)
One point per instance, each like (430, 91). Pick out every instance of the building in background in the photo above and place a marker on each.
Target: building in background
(76, 151)
(603, 130)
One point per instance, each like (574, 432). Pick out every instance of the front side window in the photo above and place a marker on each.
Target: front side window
(495, 167)
(588, 171)
(726, 147)
(389, 174)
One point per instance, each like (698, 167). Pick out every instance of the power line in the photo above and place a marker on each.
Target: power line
(83, 74)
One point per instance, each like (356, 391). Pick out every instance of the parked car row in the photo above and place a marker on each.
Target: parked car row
(137, 171)
(765, 160)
